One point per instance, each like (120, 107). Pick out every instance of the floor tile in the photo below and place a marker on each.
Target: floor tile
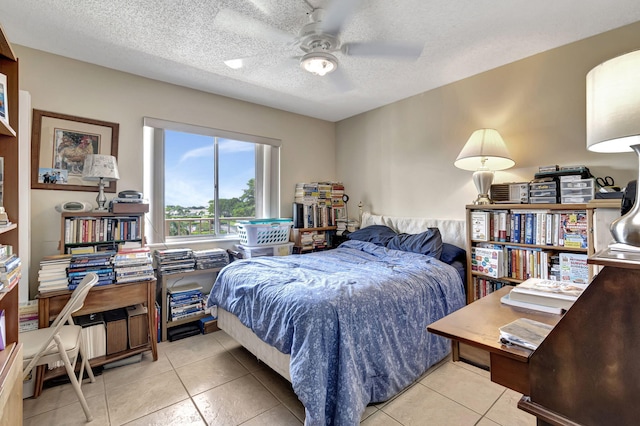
(281, 388)
(72, 414)
(192, 349)
(482, 372)
(214, 371)
(506, 412)
(380, 418)
(114, 377)
(486, 422)
(59, 396)
(184, 413)
(235, 402)
(141, 397)
(278, 415)
(463, 386)
(421, 405)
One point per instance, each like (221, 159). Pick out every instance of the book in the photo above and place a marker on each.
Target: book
(480, 226)
(506, 299)
(524, 332)
(574, 268)
(487, 261)
(539, 291)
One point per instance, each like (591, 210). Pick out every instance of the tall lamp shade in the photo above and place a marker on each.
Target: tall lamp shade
(101, 168)
(484, 152)
(613, 124)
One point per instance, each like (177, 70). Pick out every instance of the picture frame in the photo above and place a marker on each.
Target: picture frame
(59, 144)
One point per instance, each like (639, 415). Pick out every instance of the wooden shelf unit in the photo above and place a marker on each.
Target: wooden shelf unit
(472, 276)
(100, 299)
(162, 291)
(10, 380)
(297, 233)
(78, 216)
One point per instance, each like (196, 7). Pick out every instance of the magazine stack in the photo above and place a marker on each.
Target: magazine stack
(174, 260)
(185, 301)
(100, 263)
(211, 258)
(10, 270)
(133, 264)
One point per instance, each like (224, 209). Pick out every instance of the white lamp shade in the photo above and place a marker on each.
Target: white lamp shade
(613, 104)
(97, 166)
(485, 149)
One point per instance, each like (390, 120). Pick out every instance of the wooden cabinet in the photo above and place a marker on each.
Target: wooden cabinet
(11, 366)
(507, 229)
(100, 230)
(177, 278)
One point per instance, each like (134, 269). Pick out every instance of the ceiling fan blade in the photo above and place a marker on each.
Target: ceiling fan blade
(340, 80)
(237, 23)
(338, 12)
(408, 51)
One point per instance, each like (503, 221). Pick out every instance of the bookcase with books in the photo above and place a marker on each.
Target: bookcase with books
(509, 243)
(97, 231)
(11, 350)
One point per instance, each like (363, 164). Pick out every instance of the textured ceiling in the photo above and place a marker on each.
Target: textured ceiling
(186, 43)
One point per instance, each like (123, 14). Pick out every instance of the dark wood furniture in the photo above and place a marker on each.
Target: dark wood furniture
(100, 299)
(11, 356)
(477, 325)
(586, 372)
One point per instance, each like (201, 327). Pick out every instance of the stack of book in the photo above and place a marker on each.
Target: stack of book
(28, 316)
(10, 271)
(185, 301)
(211, 258)
(133, 264)
(52, 275)
(174, 260)
(549, 296)
(101, 263)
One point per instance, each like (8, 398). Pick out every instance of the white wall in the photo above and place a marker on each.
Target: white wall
(71, 87)
(398, 159)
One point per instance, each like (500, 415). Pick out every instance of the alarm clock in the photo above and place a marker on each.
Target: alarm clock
(74, 206)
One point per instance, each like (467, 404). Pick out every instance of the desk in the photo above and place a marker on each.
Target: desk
(477, 325)
(99, 299)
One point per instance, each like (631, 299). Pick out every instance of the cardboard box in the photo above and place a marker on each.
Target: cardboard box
(116, 321)
(138, 326)
(129, 208)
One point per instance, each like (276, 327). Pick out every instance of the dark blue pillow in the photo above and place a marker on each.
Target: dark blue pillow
(451, 253)
(428, 243)
(376, 234)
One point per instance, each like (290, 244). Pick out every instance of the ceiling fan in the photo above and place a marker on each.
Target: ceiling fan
(319, 39)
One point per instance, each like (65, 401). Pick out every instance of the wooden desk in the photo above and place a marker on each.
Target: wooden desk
(99, 299)
(477, 325)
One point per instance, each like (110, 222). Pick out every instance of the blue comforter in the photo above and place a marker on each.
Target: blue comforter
(354, 320)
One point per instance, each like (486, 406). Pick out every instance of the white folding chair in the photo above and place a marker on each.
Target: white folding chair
(62, 341)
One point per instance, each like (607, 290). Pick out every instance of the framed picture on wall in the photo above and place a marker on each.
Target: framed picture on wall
(59, 145)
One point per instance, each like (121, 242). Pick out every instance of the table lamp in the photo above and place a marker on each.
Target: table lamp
(484, 152)
(613, 124)
(102, 168)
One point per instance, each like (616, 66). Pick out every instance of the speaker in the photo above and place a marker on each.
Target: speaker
(74, 206)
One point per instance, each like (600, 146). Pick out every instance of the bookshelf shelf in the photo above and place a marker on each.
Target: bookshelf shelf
(551, 231)
(163, 280)
(99, 229)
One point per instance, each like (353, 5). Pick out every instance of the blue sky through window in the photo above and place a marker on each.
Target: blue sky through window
(189, 168)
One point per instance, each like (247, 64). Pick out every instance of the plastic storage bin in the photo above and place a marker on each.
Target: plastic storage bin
(576, 190)
(275, 250)
(264, 232)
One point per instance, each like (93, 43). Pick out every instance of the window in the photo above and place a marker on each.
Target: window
(201, 181)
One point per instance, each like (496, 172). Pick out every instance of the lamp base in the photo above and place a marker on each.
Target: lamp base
(101, 199)
(483, 179)
(626, 229)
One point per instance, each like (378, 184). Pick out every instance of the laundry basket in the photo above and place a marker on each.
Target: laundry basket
(263, 232)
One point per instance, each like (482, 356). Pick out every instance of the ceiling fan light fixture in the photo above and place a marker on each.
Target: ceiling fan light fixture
(319, 63)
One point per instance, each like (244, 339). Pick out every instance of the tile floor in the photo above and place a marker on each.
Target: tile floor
(210, 379)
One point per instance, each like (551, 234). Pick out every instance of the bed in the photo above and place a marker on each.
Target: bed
(347, 327)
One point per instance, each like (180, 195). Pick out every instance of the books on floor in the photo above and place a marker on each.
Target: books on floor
(541, 294)
(524, 332)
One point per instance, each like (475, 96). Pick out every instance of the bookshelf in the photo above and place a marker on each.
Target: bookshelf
(164, 279)
(99, 230)
(11, 356)
(531, 238)
(312, 239)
